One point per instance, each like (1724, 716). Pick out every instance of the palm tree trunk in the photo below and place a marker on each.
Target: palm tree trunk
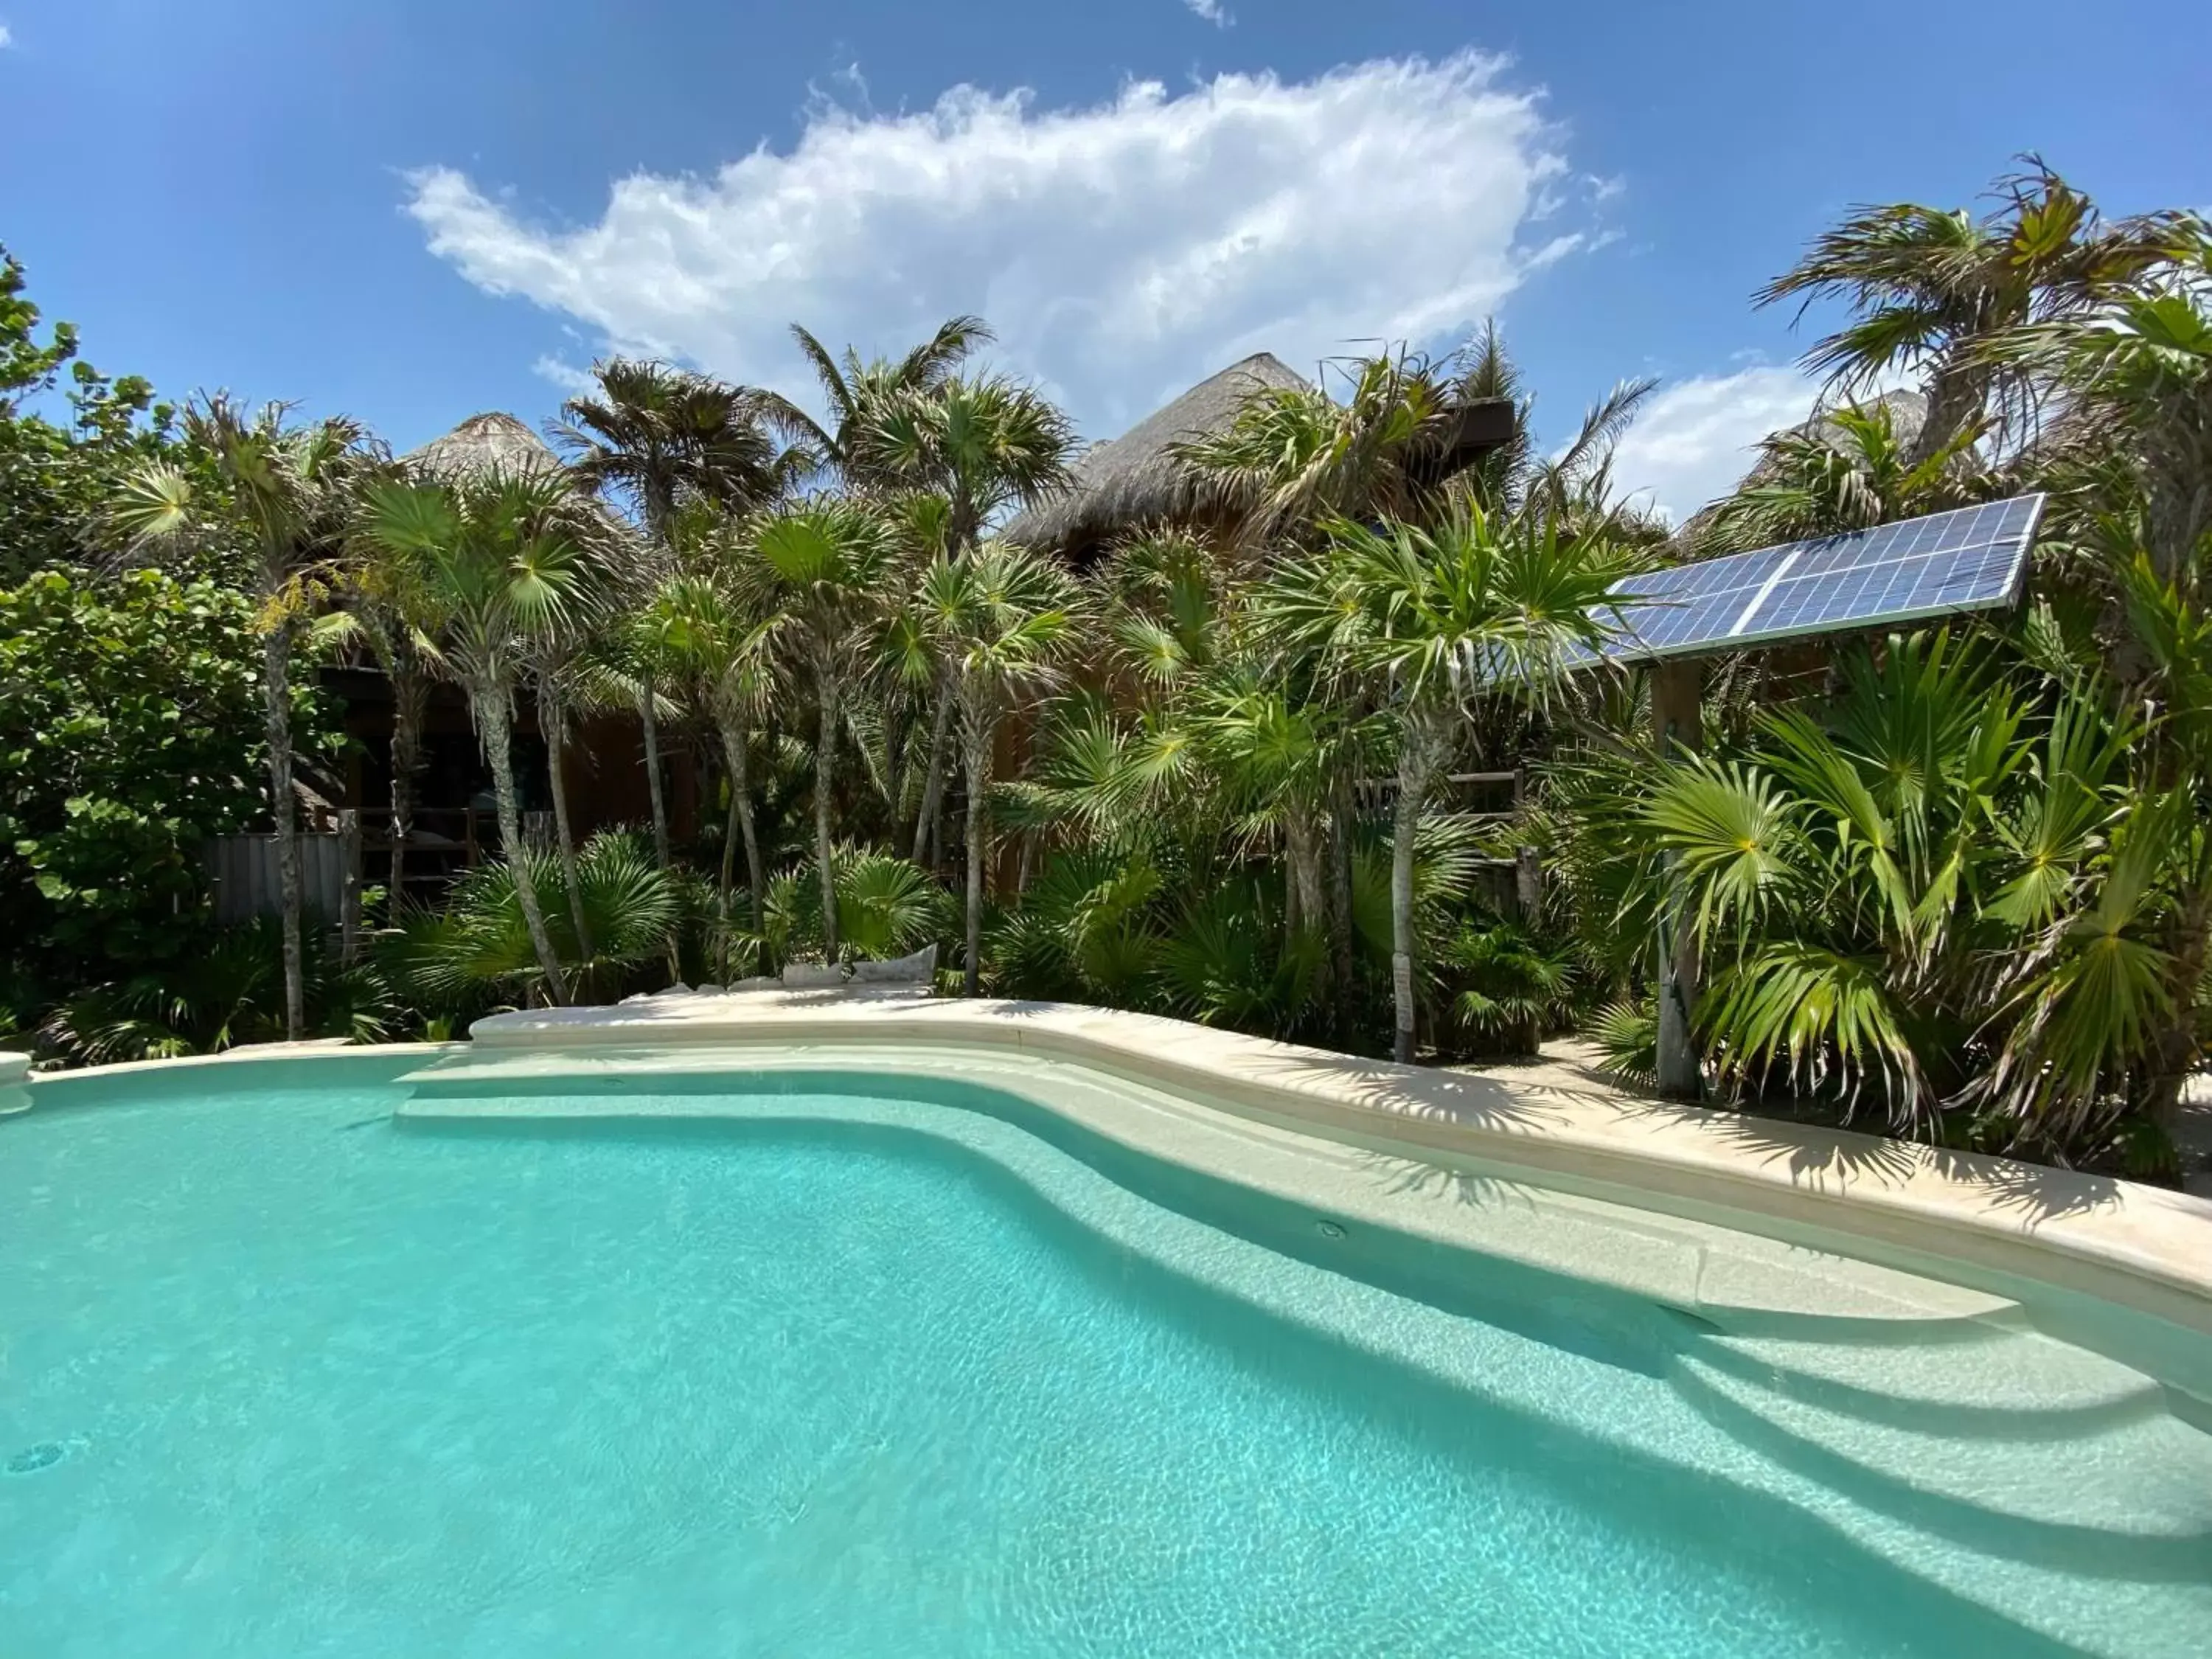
(741, 808)
(1417, 748)
(722, 882)
(932, 780)
(978, 776)
(648, 720)
(276, 686)
(410, 696)
(728, 871)
(1302, 844)
(490, 708)
(825, 751)
(1956, 396)
(1341, 814)
(553, 723)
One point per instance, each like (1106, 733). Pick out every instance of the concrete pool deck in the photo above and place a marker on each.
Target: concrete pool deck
(1917, 1208)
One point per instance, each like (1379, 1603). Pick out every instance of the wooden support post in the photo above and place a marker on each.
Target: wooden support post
(349, 886)
(1677, 727)
(1528, 884)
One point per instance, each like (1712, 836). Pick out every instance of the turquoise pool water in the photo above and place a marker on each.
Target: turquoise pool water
(307, 1383)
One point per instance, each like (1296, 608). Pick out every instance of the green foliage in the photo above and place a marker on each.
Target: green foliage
(1917, 894)
(230, 992)
(56, 478)
(1961, 884)
(886, 906)
(1851, 470)
(1625, 1034)
(481, 941)
(1500, 989)
(1931, 289)
(130, 732)
(1226, 960)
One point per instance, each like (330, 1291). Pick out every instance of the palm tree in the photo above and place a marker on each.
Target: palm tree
(1424, 621)
(2138, 366)
(978, 444)
(1012, 618)
(280, 501)
(633, 910)
(499, 562)
(1405, 430)
(1181, 637)
(2137, 371)
(917, 646)
(825, 569)
(710, 644)
(1903, 896)
(561, 670)
(1928, 288)
(389, 633)
(658, 435)
(1278, 752)
(859, 393)
(1404, 439)
(985, 443)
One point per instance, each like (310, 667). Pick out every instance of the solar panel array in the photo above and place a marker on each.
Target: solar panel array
(1970, 559)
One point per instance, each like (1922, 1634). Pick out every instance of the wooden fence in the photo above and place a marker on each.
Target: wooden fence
(243, 870)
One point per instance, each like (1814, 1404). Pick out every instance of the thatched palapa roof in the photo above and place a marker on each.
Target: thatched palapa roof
(1908, 413)
(494, 445)
(1133, 479)
(484, 444)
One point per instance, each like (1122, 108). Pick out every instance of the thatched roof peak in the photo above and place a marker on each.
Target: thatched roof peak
(1133, 478)
(1907, 410)
(487, 443)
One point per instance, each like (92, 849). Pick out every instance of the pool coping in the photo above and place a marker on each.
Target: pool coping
(2143, 1247)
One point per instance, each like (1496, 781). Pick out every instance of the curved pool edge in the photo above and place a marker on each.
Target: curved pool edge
(2141, 1248)
(85, 1084)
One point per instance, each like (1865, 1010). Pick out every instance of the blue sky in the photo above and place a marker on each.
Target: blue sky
(413, 211)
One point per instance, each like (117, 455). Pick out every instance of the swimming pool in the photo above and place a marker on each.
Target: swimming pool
(832, 1359)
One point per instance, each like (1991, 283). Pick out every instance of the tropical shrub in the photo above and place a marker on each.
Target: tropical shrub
(481, 943)
(229, 992)
(1498, 989)
(887, 906)
(131, 731)
(57, 479)
(1905, 894)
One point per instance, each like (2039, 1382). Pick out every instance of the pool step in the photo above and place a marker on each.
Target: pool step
(1756, 1290)
(2002, 1384)
(2013, 1447)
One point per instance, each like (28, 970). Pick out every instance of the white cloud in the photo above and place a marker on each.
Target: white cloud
(6, 39)
(1695, 438)
(570, 378)
(1122, 251)
(1212, 11)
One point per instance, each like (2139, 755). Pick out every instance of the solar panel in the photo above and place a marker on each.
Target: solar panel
(1969, 559)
